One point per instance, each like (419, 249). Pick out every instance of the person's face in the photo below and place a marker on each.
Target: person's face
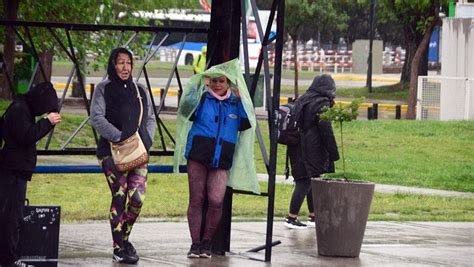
(123, 66)
(219, 85)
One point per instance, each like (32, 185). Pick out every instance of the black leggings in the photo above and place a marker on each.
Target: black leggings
(302, 189)
(12, 203)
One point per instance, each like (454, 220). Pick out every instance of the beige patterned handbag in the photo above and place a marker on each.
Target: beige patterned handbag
(131, 152)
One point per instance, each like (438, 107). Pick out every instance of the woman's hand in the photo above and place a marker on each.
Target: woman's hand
(54, 118)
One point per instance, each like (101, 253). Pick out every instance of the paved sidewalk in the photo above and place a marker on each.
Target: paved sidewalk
(383, 188)
(166, 244)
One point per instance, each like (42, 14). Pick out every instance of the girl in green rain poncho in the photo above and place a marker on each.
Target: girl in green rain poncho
(215, 137)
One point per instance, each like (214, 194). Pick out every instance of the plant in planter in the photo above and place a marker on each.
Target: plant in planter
(341, 205)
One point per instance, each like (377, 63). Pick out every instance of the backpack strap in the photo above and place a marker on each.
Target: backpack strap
(287, 164)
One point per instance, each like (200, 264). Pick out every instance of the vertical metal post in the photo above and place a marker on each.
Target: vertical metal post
(398, 112)
(92, 91)
(371, 40)
(375, 107)
(224, 45)
(245, 43)
(273, 126)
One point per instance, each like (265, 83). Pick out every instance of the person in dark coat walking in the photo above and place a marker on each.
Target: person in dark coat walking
(317, 150)
(18, 159)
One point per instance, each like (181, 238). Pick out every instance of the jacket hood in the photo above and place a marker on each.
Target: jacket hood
(112, 74)
(323, 85)
(42, 98)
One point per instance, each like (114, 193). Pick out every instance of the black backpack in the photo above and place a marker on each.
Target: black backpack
(289, 128)
(2, 122)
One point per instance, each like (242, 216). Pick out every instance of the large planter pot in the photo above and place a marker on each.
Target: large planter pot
(342, 210)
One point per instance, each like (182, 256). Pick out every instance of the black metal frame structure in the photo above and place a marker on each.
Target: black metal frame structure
(272, 97)
(68, 48)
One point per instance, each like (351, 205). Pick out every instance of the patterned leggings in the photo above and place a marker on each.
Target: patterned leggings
(128, 193)
(205, 182)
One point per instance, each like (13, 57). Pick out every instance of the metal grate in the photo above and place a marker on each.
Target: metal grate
(445, 98)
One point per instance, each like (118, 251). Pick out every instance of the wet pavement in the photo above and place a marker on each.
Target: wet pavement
(162, 243)
(166, 244)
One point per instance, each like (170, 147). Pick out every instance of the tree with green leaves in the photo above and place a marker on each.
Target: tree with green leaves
(418, 19)
(9, 11)
(340, 113)
(115, 12)
(304, 18)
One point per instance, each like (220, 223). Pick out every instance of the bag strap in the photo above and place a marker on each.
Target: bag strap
(287, 165)
(140, 100)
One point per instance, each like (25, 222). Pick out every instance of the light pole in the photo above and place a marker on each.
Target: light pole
(371, 41)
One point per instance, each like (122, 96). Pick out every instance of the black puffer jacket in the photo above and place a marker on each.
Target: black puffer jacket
(317, 150)
(21, 132)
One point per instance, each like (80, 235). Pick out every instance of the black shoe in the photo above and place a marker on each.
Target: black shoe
(121, 256)
(130, 249)
(293, 223)
(206, 249)
(194, 250)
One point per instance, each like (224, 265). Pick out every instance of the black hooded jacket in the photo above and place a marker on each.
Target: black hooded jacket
(120, 107)
(21, 132)
(317, 150)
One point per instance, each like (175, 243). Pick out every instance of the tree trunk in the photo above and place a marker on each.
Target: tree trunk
(423, 66)
(412, 41)
(409, 53)
(10, 10)
(46, 58)
(294, 50)
(415, 64)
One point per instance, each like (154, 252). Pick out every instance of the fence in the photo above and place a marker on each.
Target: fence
(445, 98)
(314, 59)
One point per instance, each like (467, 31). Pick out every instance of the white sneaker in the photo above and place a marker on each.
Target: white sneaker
(293, 223)
(311, 221)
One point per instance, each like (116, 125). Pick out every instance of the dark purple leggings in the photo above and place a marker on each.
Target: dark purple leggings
(204, 181)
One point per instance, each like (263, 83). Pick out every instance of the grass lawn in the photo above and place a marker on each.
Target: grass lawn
(430, 154)
(395, 92)
(87, 197)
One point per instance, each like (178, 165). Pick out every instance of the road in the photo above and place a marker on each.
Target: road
(343, 81)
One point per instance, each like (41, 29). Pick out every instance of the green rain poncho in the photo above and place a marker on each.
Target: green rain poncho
(242, 175)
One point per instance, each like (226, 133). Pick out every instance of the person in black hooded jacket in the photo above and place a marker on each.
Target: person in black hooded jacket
(115, 111)
(18, 159)
(317, 150)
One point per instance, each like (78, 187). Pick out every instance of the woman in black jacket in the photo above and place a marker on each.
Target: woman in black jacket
(18, 159)
(317, 150)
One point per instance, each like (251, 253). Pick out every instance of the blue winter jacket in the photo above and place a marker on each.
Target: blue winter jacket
(213, 135)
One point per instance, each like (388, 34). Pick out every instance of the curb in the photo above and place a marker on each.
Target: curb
(155, 91)
(361, 78)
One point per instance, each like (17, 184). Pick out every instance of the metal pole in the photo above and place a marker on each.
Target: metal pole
(273, 126)
(371, 40)
(245, 43)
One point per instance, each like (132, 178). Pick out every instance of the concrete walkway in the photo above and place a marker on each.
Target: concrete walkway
(166, 244)
(382, 188)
